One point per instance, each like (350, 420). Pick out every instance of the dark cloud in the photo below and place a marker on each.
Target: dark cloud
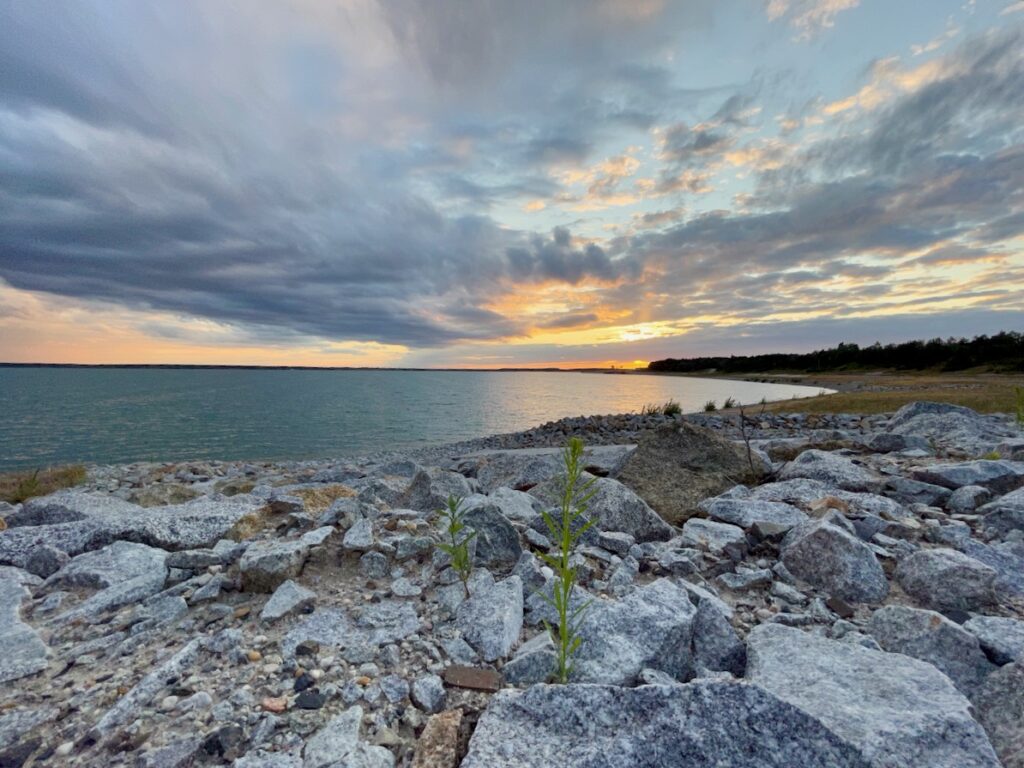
(278, 172)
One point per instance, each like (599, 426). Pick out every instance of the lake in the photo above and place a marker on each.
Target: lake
(114, 415)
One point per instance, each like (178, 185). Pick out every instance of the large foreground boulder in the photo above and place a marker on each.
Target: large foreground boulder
(896, 710)
(705, 724)
(651, 627)
(677, 466)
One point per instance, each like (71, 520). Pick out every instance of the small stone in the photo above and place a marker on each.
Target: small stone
(428, 693)
(277, 705)
(254, 656)
(310, 699)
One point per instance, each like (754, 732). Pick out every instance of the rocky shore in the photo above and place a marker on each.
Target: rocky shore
(788, 591)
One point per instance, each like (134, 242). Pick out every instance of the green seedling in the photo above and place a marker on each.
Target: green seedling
(459, 536)
(710, 406)
(566, 530)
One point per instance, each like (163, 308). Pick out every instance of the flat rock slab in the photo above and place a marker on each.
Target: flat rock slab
(705, 724)
(473, 678)
(997, 476)
(75, 522)
(946, 579)
(896, 710)
(378, 624)
(24, 652)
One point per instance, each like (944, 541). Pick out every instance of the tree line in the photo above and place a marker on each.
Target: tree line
(1003, 351)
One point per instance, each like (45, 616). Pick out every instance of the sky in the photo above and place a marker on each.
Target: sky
(492, 184)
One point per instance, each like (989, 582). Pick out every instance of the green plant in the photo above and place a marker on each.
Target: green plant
(730, 402)
(16, 487)
(672, 408)
(566, 531)
(1019, 392)
(710, 406)
(650, 409)
(457, 546)
(992, 456)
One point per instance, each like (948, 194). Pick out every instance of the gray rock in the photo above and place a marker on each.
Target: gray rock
(745, 578)
(430, 489)
(916, 492)
(496, 542)
(17, 723)
(650, 627)
(125, 573)
(44, 560)
(287, 599)
(1001, 638)
(24, 652)
(395, 688)
(677, 466)
(428, 693)
(706, 724)
(114, 564)
(373, 565)
(995, 475)
(716, 646)
(803, 492)
(359, 537)
(338, 743)
(129, 706)
(534, 662)
(896, 710)
(492, 618)
(614, 507)
(1004, 514)
(830, 558)
(720, 539)
(946, 424)
(380, 623)
(931, 637)
(945, 579)
(747, 513)
(968, 498)
(267, 564)
(833, 469)
(615, 541)
(890, 442)
(1000, 709)
(514, 505)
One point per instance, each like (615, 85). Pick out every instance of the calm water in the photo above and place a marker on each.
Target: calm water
(58, 415)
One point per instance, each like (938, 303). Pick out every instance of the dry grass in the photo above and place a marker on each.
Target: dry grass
(16, 487)
(320, 498)
(882, 393)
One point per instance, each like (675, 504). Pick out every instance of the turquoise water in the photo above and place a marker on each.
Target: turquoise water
(60, 415)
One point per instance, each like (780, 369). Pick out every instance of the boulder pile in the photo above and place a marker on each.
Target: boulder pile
(848, 592)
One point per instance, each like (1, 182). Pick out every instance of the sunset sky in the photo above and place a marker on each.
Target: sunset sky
(484, 184)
